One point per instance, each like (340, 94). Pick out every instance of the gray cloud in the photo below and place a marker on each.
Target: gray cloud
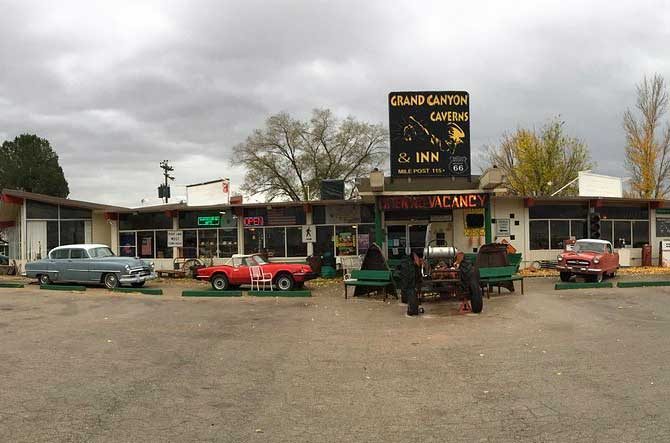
(118, 86)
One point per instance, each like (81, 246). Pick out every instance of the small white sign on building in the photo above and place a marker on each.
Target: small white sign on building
(503, 227)
(175, 239)
(308, 234)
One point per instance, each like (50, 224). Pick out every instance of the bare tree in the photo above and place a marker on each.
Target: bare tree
(289, 157)
(647, 143)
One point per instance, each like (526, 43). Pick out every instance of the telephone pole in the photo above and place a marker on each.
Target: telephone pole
(164, 189)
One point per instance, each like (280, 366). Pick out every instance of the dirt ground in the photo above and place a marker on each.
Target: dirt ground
(577, 365)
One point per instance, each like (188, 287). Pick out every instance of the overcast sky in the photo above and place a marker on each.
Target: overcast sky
(118, 86)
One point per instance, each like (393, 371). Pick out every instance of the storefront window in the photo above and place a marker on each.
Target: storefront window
(324, 240)
(294, 245)
(366, 236)
(207, 243)
(275, 242)
(539, 234)
(558, 211)
(52, 234)
(606, 231)
(397, 241)
(145, 220)
(578, 229)
(560, 231)
(190, 248)
(227, 242)
(38, 210)
(145, 241)
(162, 250)
(622, 234)
(67, 212)
(72, 232)
(638, 212)
(345, 240)
(640, 233)
(253, 240)
(127, 244)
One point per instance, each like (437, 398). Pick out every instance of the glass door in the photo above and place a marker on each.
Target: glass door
(396, 236)
(417, 238)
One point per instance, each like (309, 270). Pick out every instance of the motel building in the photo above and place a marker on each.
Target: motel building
(464, 212)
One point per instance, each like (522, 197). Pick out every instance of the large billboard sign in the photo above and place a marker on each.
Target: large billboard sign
(430, 133)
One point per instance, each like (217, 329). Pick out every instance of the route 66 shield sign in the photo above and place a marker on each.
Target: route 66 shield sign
(458, 165)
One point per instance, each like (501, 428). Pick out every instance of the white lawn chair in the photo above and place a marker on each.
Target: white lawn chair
(349, 263)
(258, 277)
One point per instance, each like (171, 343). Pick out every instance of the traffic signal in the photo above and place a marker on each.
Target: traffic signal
(595, 225)
(163, 191)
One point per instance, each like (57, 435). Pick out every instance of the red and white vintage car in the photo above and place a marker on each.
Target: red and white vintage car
(593, 259)
(237, 272)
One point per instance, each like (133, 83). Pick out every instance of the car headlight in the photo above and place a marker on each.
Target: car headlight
(127, 268)
(560, 258)
(596, 260)
(152, 265)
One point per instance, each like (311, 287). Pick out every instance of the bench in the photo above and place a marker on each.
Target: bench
(514, 260)
(380, 279)
(497, 274)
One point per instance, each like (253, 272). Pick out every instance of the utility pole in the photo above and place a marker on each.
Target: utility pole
(164, 190)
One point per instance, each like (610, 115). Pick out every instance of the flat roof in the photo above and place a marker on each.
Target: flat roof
(185, 207)
(59, 200)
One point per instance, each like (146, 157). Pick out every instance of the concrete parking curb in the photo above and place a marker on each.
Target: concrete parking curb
(63, 288)
(560, 286)
(280, 293)
(641, 284)
(148, 291)
(211, 293)
(10, 284)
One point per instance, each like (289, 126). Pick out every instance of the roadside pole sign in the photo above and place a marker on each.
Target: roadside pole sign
(429, 133)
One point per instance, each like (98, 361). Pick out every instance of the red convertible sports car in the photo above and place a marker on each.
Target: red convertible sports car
(237, 272)
(588, 257)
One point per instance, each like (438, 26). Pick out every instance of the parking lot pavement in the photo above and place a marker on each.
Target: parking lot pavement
(576, 365)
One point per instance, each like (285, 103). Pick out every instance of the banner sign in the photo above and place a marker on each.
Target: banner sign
(444, 201)
(430, 133)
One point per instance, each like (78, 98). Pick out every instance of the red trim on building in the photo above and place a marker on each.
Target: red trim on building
(11, 199)
(7, 224)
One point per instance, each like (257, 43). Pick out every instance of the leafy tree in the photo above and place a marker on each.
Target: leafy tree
(537, 163)
(288, 158)
(647, 144)
(28, 163)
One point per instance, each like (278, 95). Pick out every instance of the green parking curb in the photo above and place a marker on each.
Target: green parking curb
(641, 284)
(281, 293)
(63, 288)
(211, 293)
(140, 290)
(10, 284)
(560, 286)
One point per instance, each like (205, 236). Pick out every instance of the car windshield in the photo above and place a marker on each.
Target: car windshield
(589, 246)
(101, 252)
(258, 259)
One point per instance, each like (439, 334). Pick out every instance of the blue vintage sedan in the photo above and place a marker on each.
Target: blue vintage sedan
(90, 264)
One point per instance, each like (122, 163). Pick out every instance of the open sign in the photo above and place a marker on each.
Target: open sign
(254, 221)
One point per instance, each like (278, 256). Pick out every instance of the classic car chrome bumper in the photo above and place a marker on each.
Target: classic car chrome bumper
(579, 269)
(137, 278)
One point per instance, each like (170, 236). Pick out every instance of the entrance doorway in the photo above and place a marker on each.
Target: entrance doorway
(404, 238)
